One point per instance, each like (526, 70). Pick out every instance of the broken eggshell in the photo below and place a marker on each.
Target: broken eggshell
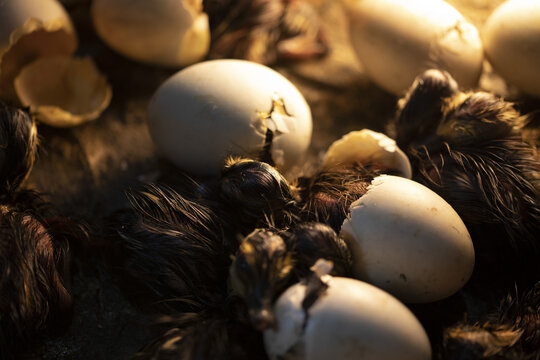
(218, 108)
(349, 321)
(30, 29)
(160, 32)
(407, 240)
(367, 147)
(397, 40)
(63, 91)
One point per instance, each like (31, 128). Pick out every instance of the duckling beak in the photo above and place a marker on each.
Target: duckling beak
(262, 318)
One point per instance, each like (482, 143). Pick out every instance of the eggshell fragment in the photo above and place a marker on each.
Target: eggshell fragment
(30, 29)
(408, 241)
(159, 32)
(351, 320)
(218, 108)
(368, 147)
(63, 91)
(397, 40)
(511, 38)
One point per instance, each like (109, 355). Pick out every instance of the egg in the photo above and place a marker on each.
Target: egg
(350, 320)
(30, 29)
(217, 108)
(159, 32)
(511, 37)
(397, 40)
(407, 240)
(368, 147)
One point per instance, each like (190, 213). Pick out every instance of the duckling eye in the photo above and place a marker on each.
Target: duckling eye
(242, 263)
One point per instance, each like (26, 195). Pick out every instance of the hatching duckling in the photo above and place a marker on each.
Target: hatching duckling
(268, 261)
(328, 194)
(467, 147)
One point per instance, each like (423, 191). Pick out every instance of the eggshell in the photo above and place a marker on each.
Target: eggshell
(368, 147)
(217, 108)
(351, 320)
(63, 91)
(408, 241)
(158, 32)
(30, 29)
(396, 40)
(511, 38)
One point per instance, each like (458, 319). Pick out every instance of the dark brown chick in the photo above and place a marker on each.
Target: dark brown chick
(264, 31)
(222, 332)
(254, 194)
(173, 249)
(35, 274)
(512, 333)
(468, 148)
(312, 241)
(261, 270)
(35, 252)
(18, 146)
(328, 194)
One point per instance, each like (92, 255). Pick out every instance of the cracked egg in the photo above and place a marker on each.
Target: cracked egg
(348, 320)
(405, 239)
(397, 40)
(368, 148)
(214, 109)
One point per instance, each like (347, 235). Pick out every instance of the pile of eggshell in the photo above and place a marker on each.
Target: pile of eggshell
(37, 67)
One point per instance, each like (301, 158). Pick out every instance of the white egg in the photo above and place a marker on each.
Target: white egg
(158, 32)
(218, 108)
(351, 320)
(408, 241)
(511, 39)
(396, 40)
(368, 147)
(30, 29)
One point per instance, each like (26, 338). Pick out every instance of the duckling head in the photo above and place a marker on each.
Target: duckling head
(259, 272)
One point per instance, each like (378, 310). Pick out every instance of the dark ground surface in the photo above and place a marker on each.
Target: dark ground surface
(85, 170)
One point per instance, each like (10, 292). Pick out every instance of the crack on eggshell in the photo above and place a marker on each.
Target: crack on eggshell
(315, 288)
(278, 121)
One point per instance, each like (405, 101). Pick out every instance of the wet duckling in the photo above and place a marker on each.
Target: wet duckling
(268, 261)
(468, 148)
(512, 333)
(172, 248)
(34, 277)
(265, 31)
(312, 241)
(18, 146)
(35, 254)
(261, 270)
(327, 195)
(223, 332)
(256, 194)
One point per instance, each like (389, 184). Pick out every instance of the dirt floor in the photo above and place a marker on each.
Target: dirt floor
(85, 170)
